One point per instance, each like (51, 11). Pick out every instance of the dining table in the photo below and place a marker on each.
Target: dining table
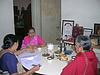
(52, 66)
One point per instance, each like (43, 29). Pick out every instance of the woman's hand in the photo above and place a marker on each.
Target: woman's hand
(31, 71)
(30, 48)
(35, 68)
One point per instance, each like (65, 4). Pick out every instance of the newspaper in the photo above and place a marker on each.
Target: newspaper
(29, 60)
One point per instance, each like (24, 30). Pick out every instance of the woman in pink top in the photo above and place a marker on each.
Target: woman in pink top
(85, 62)
(32, 40)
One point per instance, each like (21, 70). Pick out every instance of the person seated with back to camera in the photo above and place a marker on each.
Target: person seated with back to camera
(32, 40)
(85, 62)
(8, 60)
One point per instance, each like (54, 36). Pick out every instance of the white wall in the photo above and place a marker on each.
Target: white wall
(6, 18)
(83, 12)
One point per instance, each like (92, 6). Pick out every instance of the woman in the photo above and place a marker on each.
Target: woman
(32, 40)
(85, 62)
(8, 60)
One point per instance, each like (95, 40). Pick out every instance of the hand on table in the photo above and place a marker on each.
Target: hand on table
(31, 71)
(35, 68)
(30, 48)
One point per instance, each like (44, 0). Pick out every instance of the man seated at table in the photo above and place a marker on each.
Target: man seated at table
(85, 62)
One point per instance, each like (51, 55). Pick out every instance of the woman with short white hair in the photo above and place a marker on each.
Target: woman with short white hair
(85, 62)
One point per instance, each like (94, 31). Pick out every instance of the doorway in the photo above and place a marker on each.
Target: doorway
(22, 18)
(51, 20)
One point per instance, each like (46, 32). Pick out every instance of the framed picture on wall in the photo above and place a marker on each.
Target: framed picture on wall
(67, 27)
(88, 31)
(97, 28)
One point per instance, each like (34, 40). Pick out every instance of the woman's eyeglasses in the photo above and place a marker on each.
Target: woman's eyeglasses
(30, 32)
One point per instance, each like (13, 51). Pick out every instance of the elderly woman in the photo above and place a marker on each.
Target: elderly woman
(85, 62)
(8, 60)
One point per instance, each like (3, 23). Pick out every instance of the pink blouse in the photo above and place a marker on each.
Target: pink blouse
(36, 41)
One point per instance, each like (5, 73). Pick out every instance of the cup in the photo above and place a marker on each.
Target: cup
(39, 49)
(50, 46)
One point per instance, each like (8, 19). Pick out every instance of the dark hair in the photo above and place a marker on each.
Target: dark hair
(84, 41)
(9, 40)
(32, 29)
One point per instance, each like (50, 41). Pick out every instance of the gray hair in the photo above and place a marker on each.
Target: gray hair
(84, 41)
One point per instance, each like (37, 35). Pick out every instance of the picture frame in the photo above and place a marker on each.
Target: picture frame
(87, 32)
(67, 27)
(97, 28)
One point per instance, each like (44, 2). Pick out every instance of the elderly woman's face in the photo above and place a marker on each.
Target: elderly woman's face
(31, 33)
(78, 48)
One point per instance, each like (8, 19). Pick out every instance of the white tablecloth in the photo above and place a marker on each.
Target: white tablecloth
(52, 67)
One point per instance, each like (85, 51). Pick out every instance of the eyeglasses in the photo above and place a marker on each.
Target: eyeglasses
(30, 32)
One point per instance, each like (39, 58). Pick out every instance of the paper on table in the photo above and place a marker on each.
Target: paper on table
(28, 59)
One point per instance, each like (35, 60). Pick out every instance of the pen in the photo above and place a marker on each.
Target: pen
(36, 65)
